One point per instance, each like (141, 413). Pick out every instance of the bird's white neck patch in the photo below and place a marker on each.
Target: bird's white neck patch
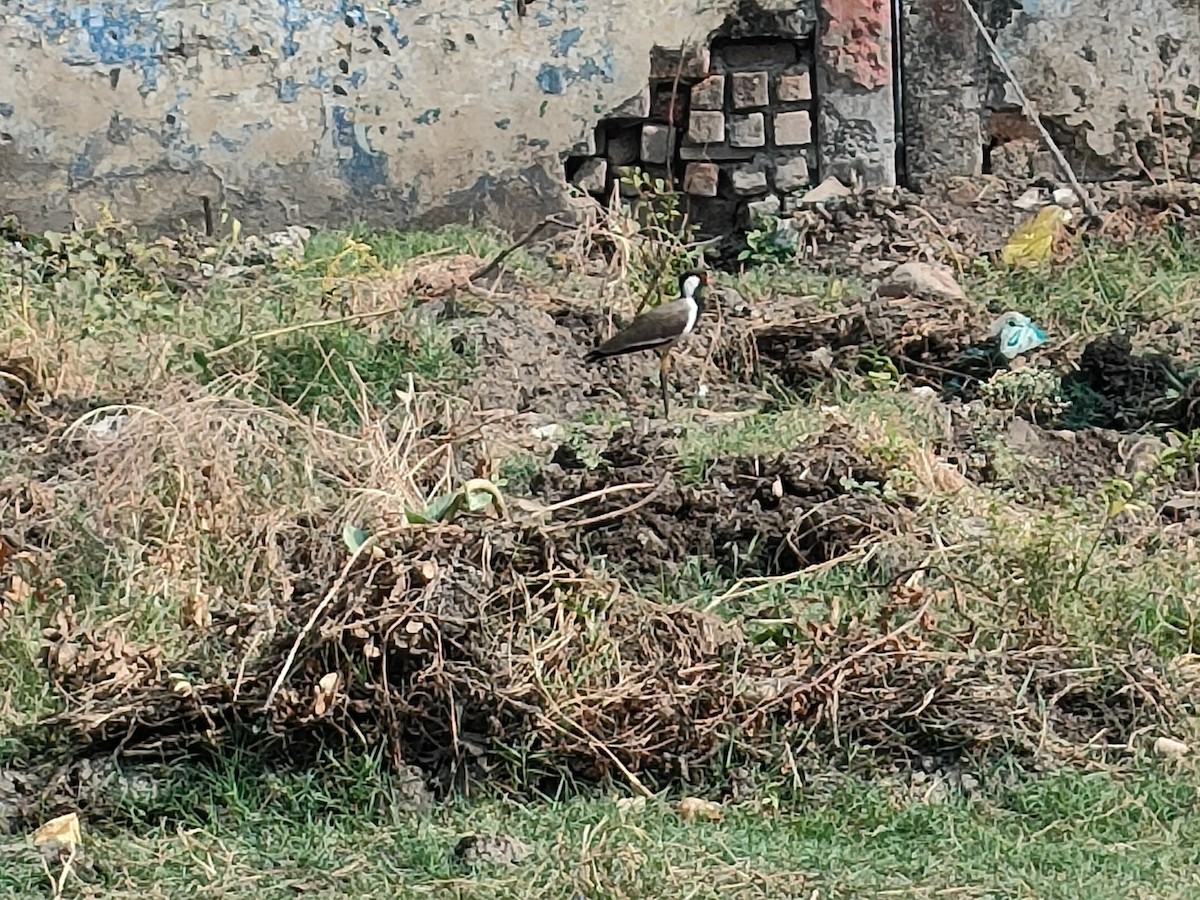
(690, 285)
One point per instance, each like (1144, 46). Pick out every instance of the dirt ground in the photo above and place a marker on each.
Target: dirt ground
(454, 622)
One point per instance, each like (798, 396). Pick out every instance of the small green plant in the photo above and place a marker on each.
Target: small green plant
(773, 241)
(665, 250)
(1033, 392)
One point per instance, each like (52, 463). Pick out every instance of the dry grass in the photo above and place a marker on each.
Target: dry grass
(725, 606)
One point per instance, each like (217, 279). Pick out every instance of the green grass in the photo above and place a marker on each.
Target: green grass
(341, 830)
(1103, 286)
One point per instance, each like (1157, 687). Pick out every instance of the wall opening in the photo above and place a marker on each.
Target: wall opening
(731, 125)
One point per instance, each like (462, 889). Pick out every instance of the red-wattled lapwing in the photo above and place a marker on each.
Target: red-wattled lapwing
(660, 328)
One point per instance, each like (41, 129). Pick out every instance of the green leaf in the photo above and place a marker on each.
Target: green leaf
(444, 506)
(353, 537)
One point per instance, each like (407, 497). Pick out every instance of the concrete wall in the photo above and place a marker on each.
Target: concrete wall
(1117, 82)
(312, 109)
(400, 111)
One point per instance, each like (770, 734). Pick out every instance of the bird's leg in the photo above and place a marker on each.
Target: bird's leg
(663, 382)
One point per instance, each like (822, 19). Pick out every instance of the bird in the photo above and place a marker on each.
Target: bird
(660, 328)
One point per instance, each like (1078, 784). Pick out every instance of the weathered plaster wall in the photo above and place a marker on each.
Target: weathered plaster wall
(315, 110)
(1117, 82)
(404, 111)
(1110, 76)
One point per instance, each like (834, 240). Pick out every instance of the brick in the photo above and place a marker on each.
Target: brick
(792, 174)
(748, 180)
(707, 127)
(658, 142)
(666, 62)
(749, 89)
(623, 145)
(592, 176)
(794, 88)
(793, 128)
(700, 179)
(636, 107)
(748, 131)
(710, 93)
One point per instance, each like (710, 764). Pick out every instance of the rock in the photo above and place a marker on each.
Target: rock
(1031, 199)
(931, 281)
(1169, 748)
(828, 189)
(747, 131)
(491, 849)
(1066, 197)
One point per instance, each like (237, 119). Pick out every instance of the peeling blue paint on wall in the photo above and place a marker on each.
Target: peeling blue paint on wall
(288, 90)
(562, 45)
(554, 79)
(429, 117)
(550, 79)
(363, 169)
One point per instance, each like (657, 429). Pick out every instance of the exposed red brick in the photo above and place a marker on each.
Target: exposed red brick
(853, 40)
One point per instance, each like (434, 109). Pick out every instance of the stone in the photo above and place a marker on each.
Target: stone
(791, 174)
(1030, 200)
(623, 145)
(666, 63)
(748, 180)
(710, 93)
(748, 131)
(592, 175)
(657, 143)
(749, 89)
(700, 179)
(930, 281)
(765, 208)
(793, 128)
(828, 189)
(794, 88)
(707, 127)
(1170, 748)
(636, 107)
(1066, 197)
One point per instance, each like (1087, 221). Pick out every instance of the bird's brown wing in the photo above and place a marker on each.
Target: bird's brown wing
(653, 328)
